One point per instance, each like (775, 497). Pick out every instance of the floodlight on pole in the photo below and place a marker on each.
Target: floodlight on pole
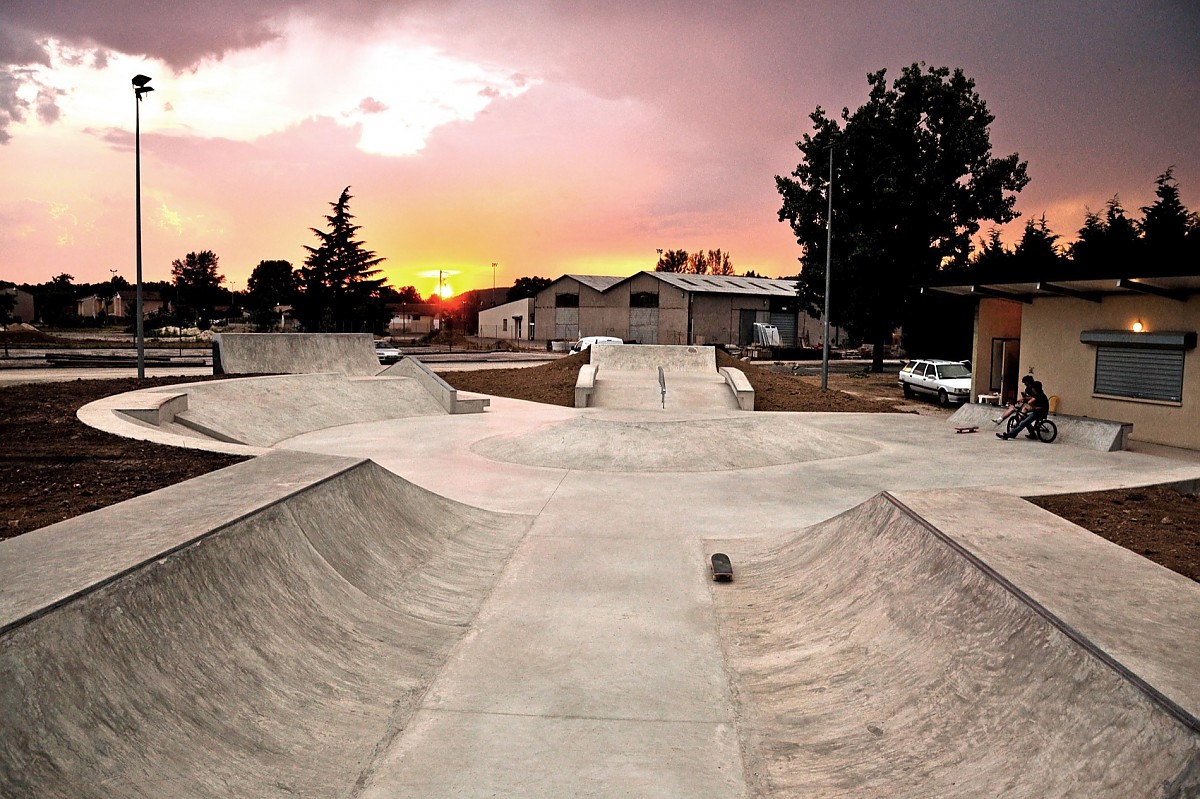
(140, 87)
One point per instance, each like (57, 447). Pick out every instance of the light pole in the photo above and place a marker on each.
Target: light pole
(493, 284)
(139, 88)
(828, 261)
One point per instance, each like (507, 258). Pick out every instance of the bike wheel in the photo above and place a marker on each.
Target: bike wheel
(1047, 431)
(1013, 421)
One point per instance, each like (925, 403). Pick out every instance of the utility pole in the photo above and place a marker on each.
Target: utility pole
(828, 262)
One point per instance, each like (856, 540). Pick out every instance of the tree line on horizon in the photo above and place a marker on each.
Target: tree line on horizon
(913, 179)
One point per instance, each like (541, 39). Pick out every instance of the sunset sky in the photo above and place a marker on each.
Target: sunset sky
(545, 137)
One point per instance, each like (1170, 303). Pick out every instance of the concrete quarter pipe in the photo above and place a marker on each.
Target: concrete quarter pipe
(270, 656)
(875, 659)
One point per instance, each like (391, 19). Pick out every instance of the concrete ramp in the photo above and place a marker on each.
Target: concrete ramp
(251, 413)
(636, 357)
(295, 354)
(270, 636)
(261, 411)
(627, 376)
(875, 657)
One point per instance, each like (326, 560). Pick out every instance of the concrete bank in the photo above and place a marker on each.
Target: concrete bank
(269, 633)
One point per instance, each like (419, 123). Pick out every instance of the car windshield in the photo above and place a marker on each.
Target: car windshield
(951, 370)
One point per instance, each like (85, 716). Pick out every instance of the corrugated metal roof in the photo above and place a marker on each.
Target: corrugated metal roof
(722, 284)
(600, 283)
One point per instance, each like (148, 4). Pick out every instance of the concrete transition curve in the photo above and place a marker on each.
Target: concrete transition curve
(876, 657)
(270, 644)
(294, 353)
(671, 378)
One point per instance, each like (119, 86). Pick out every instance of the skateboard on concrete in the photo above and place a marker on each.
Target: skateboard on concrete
(722, 569)
(967, 429)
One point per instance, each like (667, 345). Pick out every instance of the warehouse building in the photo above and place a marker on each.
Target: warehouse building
(672, 308)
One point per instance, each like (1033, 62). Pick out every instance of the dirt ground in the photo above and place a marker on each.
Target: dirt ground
(53, 467)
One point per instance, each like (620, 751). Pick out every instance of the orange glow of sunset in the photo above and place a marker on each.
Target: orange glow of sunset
(472, 136)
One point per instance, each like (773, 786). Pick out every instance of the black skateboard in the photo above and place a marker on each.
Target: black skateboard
(722, 569)
(968, 429)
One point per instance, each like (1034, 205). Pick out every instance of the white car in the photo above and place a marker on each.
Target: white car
(587, 341)
(386, 353)
(949, 381)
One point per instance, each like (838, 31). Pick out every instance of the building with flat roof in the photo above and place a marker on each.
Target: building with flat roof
(1119, 345)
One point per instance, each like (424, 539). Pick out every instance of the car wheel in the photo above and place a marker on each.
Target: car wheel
(943, 397)
(908, 392)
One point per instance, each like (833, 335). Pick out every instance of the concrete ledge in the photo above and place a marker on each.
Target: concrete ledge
(737, 382)
(351, 354)
(671, 357)
(155, 409)
(585, 384)
(442, 391)
(1104, 435)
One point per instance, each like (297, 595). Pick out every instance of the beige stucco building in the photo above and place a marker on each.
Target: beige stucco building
(1119, 348)
(507, 322)
(671, 308)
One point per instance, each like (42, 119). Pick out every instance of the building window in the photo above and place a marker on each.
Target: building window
(566, 300)
(1139, 373)
(503, 324)
(643, 299)
(1144, 366)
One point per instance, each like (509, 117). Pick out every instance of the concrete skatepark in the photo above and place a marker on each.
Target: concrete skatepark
(394, 599)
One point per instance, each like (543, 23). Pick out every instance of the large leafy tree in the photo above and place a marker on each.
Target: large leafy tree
(672, 261)
(271, 284)
(339, 287)
(197, 284)
(524, 287)
(913, 177)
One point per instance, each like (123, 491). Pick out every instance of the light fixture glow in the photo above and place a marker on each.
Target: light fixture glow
(1137, 326)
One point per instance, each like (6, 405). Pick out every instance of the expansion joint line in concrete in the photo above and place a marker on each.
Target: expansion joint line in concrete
(1157, 697)
(402, 709)
(553, 493)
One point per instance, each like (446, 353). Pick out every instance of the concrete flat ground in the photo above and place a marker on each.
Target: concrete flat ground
(598, 656)
(518, 604)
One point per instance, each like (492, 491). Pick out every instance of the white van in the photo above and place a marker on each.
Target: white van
(587, 341)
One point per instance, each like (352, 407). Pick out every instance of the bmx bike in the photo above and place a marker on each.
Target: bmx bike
(1044, 429)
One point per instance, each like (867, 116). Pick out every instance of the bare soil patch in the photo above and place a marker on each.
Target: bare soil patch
(53, 467)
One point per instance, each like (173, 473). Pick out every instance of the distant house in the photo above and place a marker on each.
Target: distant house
(91, 307)
(1119, 345)
(673, 308)
(124, 302)
(507, 322)
(23, 309)
(412, 319)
